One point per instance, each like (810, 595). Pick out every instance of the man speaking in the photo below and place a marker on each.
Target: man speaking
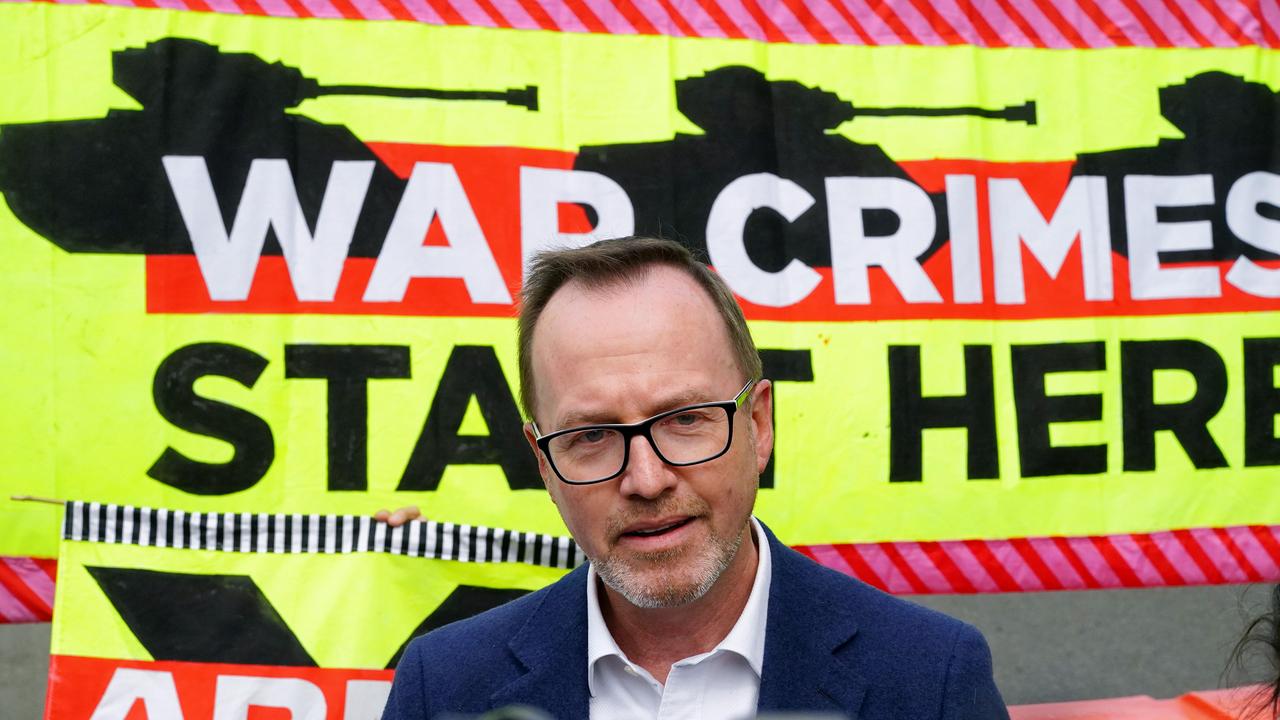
(651, 423)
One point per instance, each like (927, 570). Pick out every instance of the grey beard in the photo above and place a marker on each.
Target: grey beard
(622, 579)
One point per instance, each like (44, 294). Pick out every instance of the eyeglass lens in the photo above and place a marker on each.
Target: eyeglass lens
(685, 437)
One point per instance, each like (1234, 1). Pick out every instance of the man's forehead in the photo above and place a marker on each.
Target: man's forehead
(659, 332)
(665, 296)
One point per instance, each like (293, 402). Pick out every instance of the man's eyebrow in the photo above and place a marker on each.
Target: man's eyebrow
(655, 407)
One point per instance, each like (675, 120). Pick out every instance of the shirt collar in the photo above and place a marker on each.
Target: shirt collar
(746, 638)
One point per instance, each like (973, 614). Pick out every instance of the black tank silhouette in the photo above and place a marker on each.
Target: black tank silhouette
(98, 185)
(1229, 128)
(755, 125)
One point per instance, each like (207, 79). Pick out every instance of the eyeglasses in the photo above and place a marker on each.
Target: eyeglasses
(685, 436)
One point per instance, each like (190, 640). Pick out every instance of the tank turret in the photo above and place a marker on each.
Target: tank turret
(98, 184)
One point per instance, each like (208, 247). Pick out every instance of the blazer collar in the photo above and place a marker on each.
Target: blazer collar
(802, 634)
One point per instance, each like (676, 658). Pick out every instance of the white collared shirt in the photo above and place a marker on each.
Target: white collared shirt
(721, 684)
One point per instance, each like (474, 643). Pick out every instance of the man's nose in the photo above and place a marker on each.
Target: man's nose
(646, 475)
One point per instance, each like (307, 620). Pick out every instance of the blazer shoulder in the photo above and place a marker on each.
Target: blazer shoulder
(485, 634)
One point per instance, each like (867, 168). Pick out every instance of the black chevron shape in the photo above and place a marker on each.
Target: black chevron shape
(201, 618)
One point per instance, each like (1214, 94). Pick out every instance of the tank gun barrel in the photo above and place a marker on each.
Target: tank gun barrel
(1026, 112)
(526, 97)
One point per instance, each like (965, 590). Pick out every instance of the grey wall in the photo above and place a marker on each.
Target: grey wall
(1047, 646)
(1160, 642)
(24, 661)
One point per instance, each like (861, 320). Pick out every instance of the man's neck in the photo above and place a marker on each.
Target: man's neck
(656, 638)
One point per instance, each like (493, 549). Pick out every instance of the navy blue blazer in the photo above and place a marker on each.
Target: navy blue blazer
(832, 644)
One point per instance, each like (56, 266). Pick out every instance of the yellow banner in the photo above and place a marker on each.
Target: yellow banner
(1071, 372)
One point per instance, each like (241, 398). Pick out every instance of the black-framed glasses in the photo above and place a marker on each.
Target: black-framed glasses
(684, 436)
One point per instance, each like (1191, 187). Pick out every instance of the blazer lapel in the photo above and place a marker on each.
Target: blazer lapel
(552, 646)
(802, 634)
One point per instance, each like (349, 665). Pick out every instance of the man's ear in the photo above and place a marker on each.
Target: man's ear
(761, 418)
(543, 469)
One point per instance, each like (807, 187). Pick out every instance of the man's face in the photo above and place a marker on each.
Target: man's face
(659, 535)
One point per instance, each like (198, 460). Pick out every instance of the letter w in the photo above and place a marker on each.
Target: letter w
(270, 201)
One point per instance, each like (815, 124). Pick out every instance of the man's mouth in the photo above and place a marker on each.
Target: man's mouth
(656, 529)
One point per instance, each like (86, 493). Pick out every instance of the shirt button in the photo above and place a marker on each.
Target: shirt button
(631, 671)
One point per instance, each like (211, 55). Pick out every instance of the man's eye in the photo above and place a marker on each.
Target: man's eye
(686, 419)
(591, 436)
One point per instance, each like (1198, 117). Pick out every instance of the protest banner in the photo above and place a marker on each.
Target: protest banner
(1013, 273)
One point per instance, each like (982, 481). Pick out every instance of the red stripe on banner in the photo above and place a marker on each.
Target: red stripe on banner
(1155, 555)
(539, 14)
(1266, 537)
(250, 7)
(720, 18)
(930, 567)
(636, 18)
(1116, 563)
(1269, 34)
(443, 8)
(35, 574)
(1047, 579)
(861, 568)
(1153, 30)
(299, 10)
(994, 568)
(21, 601)
(852, 22)
(398, 10)
(772, 32)
(886, 13)
(1105, 24)
(947, 566)
(1023, 24)
(1198, 556)
(990, 38)
(1250, 572)
(939, 24)
(586, 16)
(347, 10)
(1224, 21)
(904, 567)
(1073, 559)
(678, 18)
(1178, 14)
(1081, 23)
(13, 610)
(1063, 26)
(811, 24)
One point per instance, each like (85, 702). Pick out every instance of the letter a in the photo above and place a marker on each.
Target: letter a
(154, 688)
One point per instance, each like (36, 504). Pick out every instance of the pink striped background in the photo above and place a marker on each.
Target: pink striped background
(1200, 556)
(26, 589)
(983, 23)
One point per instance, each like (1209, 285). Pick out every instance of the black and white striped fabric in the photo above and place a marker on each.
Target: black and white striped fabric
(328, 534)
